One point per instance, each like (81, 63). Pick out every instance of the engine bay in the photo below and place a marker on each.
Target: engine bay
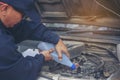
(95, 49)
(95, 63)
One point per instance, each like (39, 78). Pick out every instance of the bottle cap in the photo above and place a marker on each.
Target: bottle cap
(73, 67)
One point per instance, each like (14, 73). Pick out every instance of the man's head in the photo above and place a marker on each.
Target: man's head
(8, 15)
(15, 9)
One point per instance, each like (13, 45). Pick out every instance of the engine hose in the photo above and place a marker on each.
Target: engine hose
(98, 67)
(109, 51)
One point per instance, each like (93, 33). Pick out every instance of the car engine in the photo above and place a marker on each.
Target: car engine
(97, 58)
(92, 65)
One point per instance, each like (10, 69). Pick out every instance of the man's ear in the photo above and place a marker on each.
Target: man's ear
(3, 6)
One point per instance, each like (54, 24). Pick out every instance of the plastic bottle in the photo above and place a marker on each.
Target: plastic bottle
(65, 60)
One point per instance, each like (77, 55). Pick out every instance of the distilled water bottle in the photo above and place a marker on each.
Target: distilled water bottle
(65, 60)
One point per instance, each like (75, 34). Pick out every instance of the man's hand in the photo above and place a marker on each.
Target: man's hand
(47, 54)
(61, 48)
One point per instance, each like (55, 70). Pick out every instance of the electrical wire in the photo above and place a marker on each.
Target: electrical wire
(107, 8)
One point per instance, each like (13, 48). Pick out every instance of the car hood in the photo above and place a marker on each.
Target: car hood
(91, 12)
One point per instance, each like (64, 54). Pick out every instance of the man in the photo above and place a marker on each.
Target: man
(20, 21)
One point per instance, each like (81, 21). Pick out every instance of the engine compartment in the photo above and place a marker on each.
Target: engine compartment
(94, 48)
(95, 64)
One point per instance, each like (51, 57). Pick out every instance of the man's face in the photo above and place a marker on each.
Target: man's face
(9, 16)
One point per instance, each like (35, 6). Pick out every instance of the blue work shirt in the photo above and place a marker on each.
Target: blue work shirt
(13, 66)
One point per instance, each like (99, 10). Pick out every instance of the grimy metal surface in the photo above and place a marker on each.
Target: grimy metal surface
(80, 11)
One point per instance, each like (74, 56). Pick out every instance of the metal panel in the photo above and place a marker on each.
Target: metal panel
(69, 8)
(80, 11)
(52, 8)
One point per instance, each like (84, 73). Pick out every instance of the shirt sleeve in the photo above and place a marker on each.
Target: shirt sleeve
(44, 34)
(13, 66)
(34, 31)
